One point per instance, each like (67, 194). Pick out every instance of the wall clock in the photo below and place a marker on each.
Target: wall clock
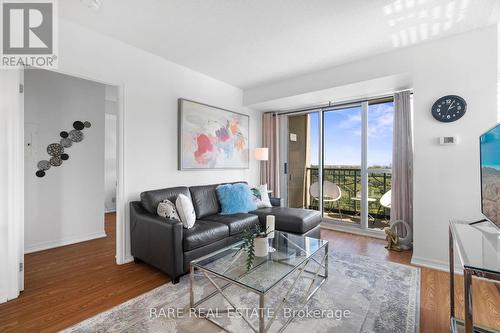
(449, 108)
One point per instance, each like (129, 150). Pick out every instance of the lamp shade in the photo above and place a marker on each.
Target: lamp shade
(262, 154)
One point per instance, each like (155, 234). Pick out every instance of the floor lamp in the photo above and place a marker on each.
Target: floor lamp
(262, 155)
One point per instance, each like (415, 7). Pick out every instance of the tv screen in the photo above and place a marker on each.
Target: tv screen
(490, 174)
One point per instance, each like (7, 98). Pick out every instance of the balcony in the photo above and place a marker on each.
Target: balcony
(347, 208)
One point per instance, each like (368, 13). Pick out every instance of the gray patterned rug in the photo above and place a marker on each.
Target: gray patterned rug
(361, 294)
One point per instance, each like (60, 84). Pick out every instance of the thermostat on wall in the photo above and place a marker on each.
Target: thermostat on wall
(448, 140)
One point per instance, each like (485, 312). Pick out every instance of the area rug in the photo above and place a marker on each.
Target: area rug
(361, 294)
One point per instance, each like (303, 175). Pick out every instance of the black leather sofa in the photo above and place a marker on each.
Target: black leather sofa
(166, 245)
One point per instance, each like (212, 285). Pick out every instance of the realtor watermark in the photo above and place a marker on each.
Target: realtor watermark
(249, 313)
(29, 35)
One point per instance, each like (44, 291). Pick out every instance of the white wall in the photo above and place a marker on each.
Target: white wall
(65, 206)
(152, 86)
(446, 178)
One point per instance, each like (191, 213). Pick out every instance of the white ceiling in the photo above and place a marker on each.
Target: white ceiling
(251, 42)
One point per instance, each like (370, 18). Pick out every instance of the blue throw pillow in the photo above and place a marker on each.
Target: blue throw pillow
(235, 198)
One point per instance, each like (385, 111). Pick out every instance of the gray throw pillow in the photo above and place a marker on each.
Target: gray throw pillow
(167, 209)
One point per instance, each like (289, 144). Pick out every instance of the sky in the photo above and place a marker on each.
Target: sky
(343, 136)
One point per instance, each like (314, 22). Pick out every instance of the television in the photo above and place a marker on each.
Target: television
(490, 174)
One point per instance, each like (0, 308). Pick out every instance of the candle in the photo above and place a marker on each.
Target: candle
(270, 221)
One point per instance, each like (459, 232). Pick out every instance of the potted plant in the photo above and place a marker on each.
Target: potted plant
(255, 243)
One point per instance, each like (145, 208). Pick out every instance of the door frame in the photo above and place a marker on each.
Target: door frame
(15, 255)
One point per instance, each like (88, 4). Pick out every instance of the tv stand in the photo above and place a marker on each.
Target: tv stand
(478, 258)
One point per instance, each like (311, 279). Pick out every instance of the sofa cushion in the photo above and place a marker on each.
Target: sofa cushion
(151, 199)
(237, 223)
(293, 220)
(204, 200)
(203, 233)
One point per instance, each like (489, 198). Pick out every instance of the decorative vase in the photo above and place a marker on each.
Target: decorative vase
(261, 246)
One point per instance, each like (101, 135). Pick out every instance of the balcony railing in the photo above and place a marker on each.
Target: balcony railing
(349, 181)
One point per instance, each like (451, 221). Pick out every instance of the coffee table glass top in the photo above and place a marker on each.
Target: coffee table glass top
(291, 252)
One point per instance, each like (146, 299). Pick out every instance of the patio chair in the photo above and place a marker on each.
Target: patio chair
(385, 200)
(331, 193)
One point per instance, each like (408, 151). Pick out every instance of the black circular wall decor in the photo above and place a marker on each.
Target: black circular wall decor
(66, 142)
(78, 125)
(449, 108)
(43, 165)
(76, 135)
(56, 161)
(55, 149)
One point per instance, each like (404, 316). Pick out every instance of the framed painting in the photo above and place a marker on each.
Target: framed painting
(211, 137)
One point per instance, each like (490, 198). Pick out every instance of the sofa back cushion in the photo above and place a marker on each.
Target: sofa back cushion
(151, 199)
(204, 200)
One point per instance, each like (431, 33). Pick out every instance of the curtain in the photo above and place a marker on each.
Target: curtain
(269, 171)
(402, 161)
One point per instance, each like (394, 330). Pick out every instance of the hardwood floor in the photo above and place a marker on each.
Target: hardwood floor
(66, 285)
(69, 284)
(434, 286)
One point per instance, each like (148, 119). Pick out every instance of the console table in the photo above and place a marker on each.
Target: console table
(478, 247)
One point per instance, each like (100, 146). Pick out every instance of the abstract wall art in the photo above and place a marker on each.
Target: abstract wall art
(211, 137)
(56, 150)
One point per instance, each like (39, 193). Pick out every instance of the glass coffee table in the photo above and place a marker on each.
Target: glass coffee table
(296, 258)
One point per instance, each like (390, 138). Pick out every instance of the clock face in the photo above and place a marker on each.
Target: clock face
(449, 108)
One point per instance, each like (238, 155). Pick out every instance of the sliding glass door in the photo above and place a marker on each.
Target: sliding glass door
(347, 149)
(342, 164)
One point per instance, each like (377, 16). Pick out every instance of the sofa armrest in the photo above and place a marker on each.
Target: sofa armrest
(156, 240)
(275, 202)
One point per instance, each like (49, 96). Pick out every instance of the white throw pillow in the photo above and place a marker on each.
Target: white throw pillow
(186, 211)
(167, 209)
(261, 197)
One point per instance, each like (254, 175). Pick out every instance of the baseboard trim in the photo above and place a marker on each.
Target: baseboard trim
(353, 230)
(62, 242)
(435, 264)
(3, 298)
(128, 259)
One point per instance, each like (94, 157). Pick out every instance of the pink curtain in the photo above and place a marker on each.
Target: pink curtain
(269, 171)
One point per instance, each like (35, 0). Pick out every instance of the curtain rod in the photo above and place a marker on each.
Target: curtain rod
(331, 105)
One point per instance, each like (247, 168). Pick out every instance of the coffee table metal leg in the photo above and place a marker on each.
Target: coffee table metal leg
(326, 261)
(191, 287)
(262, 323)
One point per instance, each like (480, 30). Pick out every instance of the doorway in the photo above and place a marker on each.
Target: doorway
(70, 157)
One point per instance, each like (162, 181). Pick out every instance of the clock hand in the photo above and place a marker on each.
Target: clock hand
(451, 105)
